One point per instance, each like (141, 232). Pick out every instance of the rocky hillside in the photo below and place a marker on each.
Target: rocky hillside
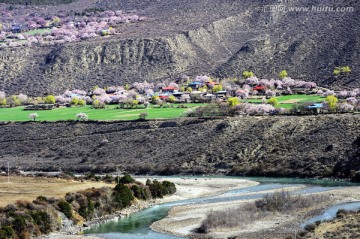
(221, 38)
(308, 146)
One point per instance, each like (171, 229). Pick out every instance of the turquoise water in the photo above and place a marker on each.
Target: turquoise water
(137, 225)
(330, 213)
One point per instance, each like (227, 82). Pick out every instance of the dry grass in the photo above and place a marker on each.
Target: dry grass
(28, 188)
(345, 225)
(279, 202)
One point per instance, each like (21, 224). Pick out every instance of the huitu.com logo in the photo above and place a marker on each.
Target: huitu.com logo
(284, 8)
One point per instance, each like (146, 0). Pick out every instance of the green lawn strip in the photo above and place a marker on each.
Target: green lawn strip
(301, 98)
(111, 113)
(37, 31)
(108, 114)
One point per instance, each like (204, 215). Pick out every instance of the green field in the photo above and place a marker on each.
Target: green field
(108, 114)
(287, 101)
(38, 31)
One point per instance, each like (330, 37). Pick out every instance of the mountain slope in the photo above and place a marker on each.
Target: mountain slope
(194, 37)
(309, 146)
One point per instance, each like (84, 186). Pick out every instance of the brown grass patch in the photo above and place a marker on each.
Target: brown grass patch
(28, 188)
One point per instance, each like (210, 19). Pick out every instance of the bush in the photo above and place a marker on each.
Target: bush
(157, 190)
(87, 210)
(273, 101)
(332, 102)
(3, 234)
(19, 224)
(310, 227)
(234, 101)
(284, 201)
(2, 102)
(247, 74)
(126, 179)
(50, 99)
(13, 101)
(108, 179)
(97, 104)
(140, 192)
(143, 116)
(43, 220)
(8, 232)
(283, 74)
(65, 208)
(122, 196)
(74, 101)
(170, 187)
(82, 102)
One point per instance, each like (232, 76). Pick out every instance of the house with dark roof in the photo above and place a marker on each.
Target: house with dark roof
(16, 28)
(195, 85)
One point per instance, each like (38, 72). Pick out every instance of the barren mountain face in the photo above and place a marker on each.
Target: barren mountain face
(219, 38)
(309, 146)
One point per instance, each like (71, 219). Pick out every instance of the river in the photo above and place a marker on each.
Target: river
(137, 225)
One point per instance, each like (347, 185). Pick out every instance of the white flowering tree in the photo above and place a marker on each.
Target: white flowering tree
(82, 117)
(33, 116)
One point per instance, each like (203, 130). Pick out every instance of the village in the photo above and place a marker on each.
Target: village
(192, 97)
(23, 26)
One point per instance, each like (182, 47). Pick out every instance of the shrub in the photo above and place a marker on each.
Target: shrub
(13, 101)
(332, 102)
(19, 224)
(122, 196)
(284, 202)
(108, 179)
(283, 74)
(156, 189)
(74, 101)
(3, 234)
(143, 116)
(97, 104)
(217, 88)
(154, 99)
(82, 102)
(126, 179)
(140, 192)
(43, 220)
(8, 231)
(247, 74)
(87, 210)
(273, 101)
(310, 227)
(234, 101)
(50, 99)
(170, 187)
(65, 208)
(171, 99)
(2, 101)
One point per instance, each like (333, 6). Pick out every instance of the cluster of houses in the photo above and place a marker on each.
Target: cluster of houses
(195, 92)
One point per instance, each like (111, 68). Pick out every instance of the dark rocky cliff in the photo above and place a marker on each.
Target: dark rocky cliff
(278, 146)
(221, 38)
